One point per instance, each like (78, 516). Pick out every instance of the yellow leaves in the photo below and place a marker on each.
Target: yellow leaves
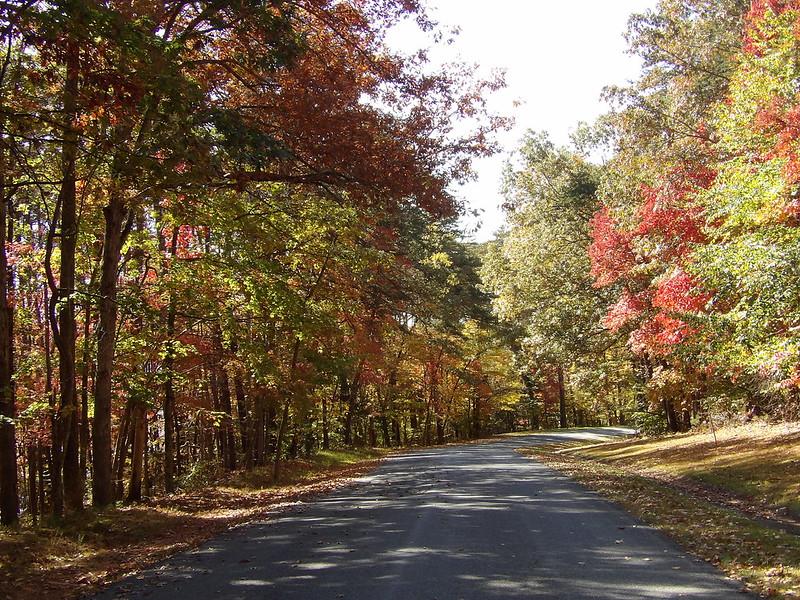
(438, 260)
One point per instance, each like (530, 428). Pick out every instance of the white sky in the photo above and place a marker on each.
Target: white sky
(558, 56)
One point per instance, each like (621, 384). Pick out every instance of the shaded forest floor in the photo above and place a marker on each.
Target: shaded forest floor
(730, 496)
(76, 556)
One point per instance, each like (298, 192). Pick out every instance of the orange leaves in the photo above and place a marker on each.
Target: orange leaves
(759, 22)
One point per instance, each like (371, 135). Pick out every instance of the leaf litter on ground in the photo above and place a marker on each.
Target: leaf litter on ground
(78, 555)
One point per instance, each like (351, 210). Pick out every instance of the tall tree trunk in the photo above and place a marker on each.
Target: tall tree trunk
(121, 451)
(169, 420)
(671, 415)
(530, 390)
(85, 374)
(260, 440)
(169, 383)
(54, 464)
(326, 440)
(562, 399)
(345, 398)
(9, 492)
(287, 401)
(116, 230)
(67, 479)
(245, 421)
(229, 439)
(33, 475)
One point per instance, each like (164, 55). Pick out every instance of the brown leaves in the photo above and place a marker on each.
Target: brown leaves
(97, 548)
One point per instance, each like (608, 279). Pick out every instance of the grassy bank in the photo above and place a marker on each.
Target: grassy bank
(60, 560)
(729, 496)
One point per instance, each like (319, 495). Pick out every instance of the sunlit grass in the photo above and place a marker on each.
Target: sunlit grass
(755, 460)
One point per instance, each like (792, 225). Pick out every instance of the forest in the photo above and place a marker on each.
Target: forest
(229, 238)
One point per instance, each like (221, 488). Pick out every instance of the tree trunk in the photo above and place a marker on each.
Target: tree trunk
(85, 374)
(397, 437)
(169, 384)
(345, 399)
(33, 476)
(276, 474)
(121, 451)
(178, 442)
(9, 492)
(562, 399)
(137, 453)
(260, 433)
(68, 480)
(229, 440)
(169, 423)
(245, 422)
(326, 441)
(115, 232)
(672, 417)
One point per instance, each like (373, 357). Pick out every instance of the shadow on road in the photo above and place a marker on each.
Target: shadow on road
(464, 522)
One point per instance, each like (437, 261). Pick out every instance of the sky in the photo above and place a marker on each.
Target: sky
(558, 57)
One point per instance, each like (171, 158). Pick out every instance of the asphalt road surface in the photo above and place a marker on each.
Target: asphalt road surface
(470, 522)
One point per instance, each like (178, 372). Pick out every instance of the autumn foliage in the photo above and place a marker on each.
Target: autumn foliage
(221, 225)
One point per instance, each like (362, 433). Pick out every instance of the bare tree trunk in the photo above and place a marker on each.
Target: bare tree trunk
(326, 440)
(344, 399)
(67, 478)
(116, 230)
(245, 422)
(169, 384)
(229, 443)
(34, 458)
(86, 371)
(287, 401)
(260, 432)
(121, 451)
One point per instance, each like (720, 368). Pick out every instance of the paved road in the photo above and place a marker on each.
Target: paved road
(467, 522)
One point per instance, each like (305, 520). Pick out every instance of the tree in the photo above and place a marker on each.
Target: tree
(538, 268)
(750, 260)
(211, 204)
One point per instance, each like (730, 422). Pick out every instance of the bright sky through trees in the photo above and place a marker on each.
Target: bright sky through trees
(558, 56)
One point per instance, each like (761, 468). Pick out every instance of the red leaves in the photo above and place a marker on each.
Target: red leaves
(187, 241)
(649, 261)
(628, 307)
(611, 251)
(678, 292)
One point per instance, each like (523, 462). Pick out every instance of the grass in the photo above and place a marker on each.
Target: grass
(66, 559)
(712, 492)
